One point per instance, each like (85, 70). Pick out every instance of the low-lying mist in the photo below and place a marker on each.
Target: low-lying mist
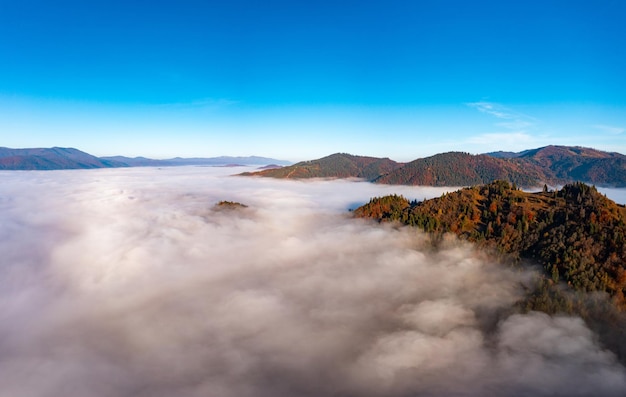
(129, 282)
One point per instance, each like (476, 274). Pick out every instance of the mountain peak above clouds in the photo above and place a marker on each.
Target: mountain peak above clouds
(59, 158)
(55, 158)
(553, 165)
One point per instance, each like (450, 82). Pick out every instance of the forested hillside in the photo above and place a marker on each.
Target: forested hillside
(553, 165)
(576, 234)
(338, 165)
(566, 163)
(462, 169)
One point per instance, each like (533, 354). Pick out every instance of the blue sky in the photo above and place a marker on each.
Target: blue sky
(302, 79)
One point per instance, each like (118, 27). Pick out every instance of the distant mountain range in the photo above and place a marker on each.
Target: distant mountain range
(57, 158)
(553, 165)
(210, 161)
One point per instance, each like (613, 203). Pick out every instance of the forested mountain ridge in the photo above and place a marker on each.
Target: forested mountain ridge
(338, 165)
(577, 234)
(462, 169)
(554, 165)
(569, 163)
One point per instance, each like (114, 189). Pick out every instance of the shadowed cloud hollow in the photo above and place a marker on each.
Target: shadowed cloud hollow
(129, 282)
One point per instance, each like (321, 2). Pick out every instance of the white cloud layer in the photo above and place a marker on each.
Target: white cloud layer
(128, 283)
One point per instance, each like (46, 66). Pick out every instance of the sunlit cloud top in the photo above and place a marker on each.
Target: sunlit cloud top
(134, 282)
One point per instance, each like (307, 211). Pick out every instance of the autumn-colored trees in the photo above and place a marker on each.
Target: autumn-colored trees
(575, 233)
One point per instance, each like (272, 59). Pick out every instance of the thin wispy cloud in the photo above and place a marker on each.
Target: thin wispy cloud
(502, 112)
(609, 129)
(513, 128)
(493, 109)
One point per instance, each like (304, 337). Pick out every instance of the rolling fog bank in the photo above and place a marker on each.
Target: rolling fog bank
(129, 282)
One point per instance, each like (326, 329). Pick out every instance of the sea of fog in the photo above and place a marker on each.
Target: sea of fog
(128, 282)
